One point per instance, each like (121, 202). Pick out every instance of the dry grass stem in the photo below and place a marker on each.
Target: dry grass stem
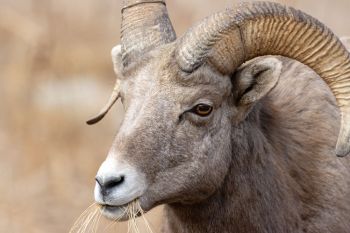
(88, 221)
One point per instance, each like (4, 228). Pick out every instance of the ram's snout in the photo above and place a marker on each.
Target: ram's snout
(117, 184)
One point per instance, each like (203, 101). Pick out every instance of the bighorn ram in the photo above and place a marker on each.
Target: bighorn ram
(227, 141)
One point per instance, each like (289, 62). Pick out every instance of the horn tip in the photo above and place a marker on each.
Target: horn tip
(95, 120)
(343, 144)
(342, 148)
(342, 151)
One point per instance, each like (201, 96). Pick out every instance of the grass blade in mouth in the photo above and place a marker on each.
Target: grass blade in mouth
(89, 220)
(84, 219)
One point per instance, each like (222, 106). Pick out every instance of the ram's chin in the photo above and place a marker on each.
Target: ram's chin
(116, 213)
(122, 212)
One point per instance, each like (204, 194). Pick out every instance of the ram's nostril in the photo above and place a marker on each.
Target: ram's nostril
(109, 183)
(114, 182)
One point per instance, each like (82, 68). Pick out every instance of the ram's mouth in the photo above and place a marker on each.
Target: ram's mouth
(121, 212)
(115, 213)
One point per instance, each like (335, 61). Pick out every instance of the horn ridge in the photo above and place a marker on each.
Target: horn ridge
(145, 26)
(142, 2)
(229, 38)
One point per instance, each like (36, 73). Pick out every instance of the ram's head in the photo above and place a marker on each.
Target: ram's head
(185, 98)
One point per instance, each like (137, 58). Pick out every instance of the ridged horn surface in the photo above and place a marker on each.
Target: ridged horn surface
(145, 25)
(227, 39)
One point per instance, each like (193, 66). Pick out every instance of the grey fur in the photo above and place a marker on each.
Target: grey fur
(263, 161)
(263, 166)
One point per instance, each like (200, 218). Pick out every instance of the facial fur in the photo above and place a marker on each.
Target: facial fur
(159, 128)
(183, 156)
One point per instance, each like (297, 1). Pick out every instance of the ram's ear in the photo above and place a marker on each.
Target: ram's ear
(254, 80)
(116, 54)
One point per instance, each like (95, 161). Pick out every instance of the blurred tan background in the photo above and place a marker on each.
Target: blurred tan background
(55, 72)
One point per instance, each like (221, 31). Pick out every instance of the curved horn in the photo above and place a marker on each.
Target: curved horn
(145, 25)
(112, 99)
(229, 38)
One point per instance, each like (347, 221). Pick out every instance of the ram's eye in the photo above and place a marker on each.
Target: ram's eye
(202, 110)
